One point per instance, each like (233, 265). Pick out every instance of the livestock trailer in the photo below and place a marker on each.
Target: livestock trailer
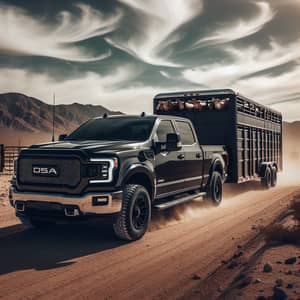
(251, 132)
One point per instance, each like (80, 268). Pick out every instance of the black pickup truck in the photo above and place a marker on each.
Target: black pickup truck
(117, 166)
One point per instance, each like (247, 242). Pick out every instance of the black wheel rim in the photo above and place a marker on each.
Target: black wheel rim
(218, 191)
(140, 212)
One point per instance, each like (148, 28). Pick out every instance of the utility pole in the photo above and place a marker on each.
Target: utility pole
(53, 116)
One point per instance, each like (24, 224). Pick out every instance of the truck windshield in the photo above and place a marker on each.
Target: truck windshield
(115, 128)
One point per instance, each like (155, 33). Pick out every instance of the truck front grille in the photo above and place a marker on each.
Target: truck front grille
(51, 172)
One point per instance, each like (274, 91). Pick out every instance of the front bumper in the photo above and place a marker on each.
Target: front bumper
(71, 206)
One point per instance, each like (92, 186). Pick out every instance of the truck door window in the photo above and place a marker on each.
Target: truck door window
(186, 133)
(163, 129)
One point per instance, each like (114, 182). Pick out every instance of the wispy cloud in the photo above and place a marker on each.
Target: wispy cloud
(161, 18)
(23, 34)
(279, 91)
(165, 74)
(87, 88)
(239, 29)
(244, 62)
(153, 32)
(250, 73)
(282, 91)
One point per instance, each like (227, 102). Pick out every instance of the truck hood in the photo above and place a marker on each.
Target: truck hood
(91, 146)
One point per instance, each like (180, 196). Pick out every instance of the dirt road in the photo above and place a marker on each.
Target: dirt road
(85, 262)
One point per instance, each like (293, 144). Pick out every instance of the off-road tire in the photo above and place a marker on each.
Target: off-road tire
(267, 179)
(126, 227)
(274, 177)
(215, 188)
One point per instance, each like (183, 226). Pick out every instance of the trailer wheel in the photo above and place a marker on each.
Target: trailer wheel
(134, 218)
(267, 179)
(274, 177)
(215, 188)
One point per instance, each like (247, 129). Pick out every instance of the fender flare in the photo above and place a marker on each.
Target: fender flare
(134, 169)
(217, 162)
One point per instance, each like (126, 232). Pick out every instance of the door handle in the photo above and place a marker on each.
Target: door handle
(198, 155)
(180, 156)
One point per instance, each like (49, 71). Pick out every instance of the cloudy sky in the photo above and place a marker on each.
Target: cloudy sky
(120, 53)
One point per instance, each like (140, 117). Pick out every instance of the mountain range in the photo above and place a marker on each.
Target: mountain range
(25, 120)
(20, 112)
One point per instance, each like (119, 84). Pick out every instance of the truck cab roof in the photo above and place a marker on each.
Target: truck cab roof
(161, 117)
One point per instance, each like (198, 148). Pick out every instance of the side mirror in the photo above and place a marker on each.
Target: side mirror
(173, 142)
(62, 137)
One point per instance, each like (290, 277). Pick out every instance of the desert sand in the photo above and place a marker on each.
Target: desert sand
(184, 255)
(7, 214)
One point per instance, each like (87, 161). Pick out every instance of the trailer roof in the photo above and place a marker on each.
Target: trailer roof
(212, 93)
(259, 104)
(195, 93)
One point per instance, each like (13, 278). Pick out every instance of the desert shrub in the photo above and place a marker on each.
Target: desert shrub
(295, 206)
(281, 234)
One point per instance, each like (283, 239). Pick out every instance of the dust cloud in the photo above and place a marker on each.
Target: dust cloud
(180, 213)
(201, 207)
(232, 194)
(290, 174)
(291, 158)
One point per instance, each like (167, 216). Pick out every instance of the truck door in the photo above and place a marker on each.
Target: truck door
(169, 166)
(193, 156)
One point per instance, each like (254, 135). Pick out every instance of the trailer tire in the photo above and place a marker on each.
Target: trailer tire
(134, 218)
(274, 176)
(266, 181)
(215, 188)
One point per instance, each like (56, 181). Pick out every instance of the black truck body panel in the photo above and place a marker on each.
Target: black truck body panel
(251, 132)
(167, 173)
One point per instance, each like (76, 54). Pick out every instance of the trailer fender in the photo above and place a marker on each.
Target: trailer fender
(275, 165)
(263, 168)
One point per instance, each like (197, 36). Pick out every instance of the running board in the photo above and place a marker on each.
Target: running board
(175, 202)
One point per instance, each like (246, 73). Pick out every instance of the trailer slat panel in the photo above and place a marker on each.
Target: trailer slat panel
(251, 132)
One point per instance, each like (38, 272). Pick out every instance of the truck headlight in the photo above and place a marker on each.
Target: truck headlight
(101, 170)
